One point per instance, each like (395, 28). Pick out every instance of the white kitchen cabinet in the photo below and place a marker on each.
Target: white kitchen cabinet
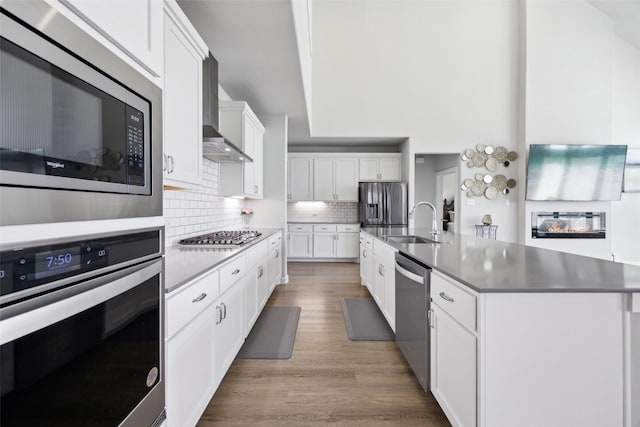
(135, 29)
(324, 245)
(182, 101)
(385, 280)
(335, 179)
(255, 283)
(190, 370)
(229, 328)
(347, 243)
(380, 168)
(367, 272)
(453, 368)
(189, 326)
(299, 178)
(300, 241)
(241, 126)
(453, 350)
(274, 263)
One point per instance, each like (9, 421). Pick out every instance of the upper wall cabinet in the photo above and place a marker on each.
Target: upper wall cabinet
(335, 180)
(182, 96)
(385, 168)
(135, 28)
(300, 178)
(241, 126)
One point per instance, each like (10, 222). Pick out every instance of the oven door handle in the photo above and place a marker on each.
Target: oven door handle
(31, 315)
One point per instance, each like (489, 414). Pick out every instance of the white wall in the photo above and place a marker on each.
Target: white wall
(425, 189)
(582, 87)
(441, 73)
(626, 130)
(444, 74)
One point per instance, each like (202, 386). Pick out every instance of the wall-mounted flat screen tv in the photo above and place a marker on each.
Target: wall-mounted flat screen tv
(575, 172)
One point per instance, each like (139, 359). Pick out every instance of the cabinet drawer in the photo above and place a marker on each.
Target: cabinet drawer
(367, 241)
(300, 227)
(257, 254)
(231, 272)
(348, 228)
(275, 241)
(187, 303)
(458, 303)
(324, 228)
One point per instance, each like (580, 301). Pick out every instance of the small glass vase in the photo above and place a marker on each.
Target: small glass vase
(246, 219)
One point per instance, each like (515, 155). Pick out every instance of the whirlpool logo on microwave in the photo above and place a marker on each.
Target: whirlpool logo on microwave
(55, 165)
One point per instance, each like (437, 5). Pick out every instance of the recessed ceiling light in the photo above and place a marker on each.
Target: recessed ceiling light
(227, 149)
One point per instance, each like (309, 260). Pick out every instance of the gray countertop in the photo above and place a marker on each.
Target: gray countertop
(495, 266)
(185, 263)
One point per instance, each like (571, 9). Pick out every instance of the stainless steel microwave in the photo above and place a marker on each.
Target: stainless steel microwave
(80, 129)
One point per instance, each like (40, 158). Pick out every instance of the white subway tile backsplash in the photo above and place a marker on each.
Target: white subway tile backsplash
(188, 213)
(322, 212)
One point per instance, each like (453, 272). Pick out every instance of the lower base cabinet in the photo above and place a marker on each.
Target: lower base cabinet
(453, 368)
(207, 323)
(190, 370)
(229, 332)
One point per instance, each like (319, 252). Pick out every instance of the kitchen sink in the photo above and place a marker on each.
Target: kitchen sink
(410, 239)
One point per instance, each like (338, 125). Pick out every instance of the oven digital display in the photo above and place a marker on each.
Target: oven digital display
(56, 262)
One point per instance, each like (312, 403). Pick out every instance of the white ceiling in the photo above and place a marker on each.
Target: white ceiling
(255, 45)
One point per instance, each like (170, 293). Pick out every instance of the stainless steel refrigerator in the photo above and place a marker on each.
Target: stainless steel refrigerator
(382, 203)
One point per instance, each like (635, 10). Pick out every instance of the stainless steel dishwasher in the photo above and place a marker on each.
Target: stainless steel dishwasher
(412, 326)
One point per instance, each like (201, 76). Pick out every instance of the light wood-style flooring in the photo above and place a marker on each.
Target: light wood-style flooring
(329, 380)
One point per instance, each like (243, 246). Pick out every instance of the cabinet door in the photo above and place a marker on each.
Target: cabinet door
(190, 370)
(347, 245)
(324, 245)
(300, 179)
(263, 285)
(250, 299)
(135, 28)
(379, 282)
(258, 167)
(300, 245)
(229, 334)
(368, 170)
(389, 169)
(390, 292)
(346, 180)
(182, 99)
(366, 268)
(249, 147)
(323, 180)
(274, 269)
(453, 368)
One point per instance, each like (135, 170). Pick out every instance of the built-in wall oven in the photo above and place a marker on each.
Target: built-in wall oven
(80, 129)
(81, 331)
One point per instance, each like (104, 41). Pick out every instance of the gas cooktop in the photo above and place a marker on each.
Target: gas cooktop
(222, 239)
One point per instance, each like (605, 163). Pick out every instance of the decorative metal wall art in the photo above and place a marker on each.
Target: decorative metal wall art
(490, 158)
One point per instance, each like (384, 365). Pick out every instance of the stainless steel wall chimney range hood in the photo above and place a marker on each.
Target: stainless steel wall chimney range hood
(215, 146)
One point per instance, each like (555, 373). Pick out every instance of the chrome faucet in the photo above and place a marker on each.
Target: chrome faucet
(434, 224)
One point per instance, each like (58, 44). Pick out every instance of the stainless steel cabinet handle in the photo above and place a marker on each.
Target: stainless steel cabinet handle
(199, 297)
(218, 315)
(445, 297)
(277, 253)
(430, 317)
(224, 310)
(364, 254)
(382, 269)
(236, 271)
(260, 271)
(171, 165)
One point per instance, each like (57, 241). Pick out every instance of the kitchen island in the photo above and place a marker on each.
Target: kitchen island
(527, 336)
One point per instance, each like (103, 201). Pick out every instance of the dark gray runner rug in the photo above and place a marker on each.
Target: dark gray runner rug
(272, 335)
(364, 320)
